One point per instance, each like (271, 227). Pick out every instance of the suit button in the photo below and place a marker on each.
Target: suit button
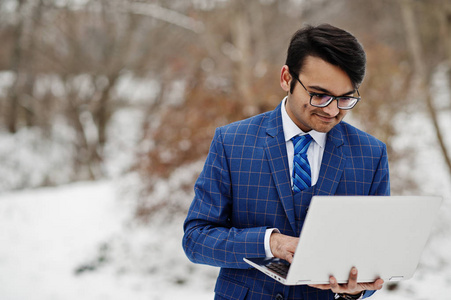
(279, 297)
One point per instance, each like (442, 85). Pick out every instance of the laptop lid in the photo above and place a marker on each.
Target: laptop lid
(382, 236)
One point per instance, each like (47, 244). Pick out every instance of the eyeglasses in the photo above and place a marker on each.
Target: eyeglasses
(323, 100)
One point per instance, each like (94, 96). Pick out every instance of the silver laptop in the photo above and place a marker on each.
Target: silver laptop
(382, 236)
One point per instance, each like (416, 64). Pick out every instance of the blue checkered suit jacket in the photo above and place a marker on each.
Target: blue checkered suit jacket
(245, 188)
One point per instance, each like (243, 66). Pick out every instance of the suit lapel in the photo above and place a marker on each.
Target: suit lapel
(332, 164)
(277, 157)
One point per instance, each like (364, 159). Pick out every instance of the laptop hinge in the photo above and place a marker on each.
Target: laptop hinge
(396, 278)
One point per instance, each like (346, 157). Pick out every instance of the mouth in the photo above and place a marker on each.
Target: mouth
(326, 119)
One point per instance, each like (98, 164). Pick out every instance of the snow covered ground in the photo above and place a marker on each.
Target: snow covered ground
(61, 243)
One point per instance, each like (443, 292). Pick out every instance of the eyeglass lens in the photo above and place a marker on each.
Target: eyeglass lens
(321, 100)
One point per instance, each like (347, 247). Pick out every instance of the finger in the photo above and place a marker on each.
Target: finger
(334, 286)
(320, 286)
(289, 257)
(352, 281)
(377, 285)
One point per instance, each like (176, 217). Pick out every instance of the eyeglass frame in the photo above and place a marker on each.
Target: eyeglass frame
(332, 98)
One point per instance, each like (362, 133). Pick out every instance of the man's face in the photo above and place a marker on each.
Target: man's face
(318, 76)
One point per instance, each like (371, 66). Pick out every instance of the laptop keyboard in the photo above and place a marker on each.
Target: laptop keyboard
(280, 268)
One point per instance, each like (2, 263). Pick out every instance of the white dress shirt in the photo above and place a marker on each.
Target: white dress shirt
(314, 154)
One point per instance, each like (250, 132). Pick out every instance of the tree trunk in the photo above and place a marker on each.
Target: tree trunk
(16, 57)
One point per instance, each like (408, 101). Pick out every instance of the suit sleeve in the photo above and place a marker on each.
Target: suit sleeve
(209, 235)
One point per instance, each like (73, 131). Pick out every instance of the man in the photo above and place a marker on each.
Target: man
(253, 193)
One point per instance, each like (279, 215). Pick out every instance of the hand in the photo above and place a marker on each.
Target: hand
(283, 246)
(352, 287)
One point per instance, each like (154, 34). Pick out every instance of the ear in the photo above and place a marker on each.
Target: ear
(285, 78)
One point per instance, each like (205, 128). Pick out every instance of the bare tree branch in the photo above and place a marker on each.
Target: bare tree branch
(167, 15)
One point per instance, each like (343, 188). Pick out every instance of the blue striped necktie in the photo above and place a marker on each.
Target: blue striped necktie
(301, 169)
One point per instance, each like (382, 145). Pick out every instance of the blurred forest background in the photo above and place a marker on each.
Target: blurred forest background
(70, 68)
(132, 90)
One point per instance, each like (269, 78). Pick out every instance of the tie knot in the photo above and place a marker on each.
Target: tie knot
(301, 143)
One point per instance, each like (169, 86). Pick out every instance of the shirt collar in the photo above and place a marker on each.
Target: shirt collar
(290, 129)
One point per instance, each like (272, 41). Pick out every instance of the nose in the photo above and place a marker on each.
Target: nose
(332, 109)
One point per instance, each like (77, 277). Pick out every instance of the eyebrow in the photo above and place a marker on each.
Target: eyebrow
(326, 91)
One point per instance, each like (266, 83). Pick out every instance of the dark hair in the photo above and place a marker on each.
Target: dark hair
(334, 45)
